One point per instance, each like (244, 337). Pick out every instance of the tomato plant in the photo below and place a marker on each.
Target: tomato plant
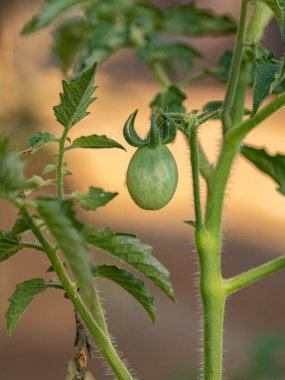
(81, 44)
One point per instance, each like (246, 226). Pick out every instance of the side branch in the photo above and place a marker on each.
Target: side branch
(242, 129)
(245, 279)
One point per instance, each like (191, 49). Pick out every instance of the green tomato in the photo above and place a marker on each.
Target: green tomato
(152, 177)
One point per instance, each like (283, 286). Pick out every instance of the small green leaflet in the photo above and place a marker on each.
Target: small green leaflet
(50, 168)
(190, 223)
(274, 166)
(20, 226)
(129, 249)
(277, 85)
(59, 217)
(188, 19)
(35, 183)
(213, 106)
(95, 198)
(265, 69)
(11, 169)
(69, 37)
(9, 244)
(130, 283)
(94, 142)
(22, 298)
(50, 12)
(170, 100)
(221, 73)
(36, 143)
(76, 98)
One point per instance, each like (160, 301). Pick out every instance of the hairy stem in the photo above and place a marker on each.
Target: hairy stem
(235, 68)
(59, 177)
(253, 275)
(102, 340)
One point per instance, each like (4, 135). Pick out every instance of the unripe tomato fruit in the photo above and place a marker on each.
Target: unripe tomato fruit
(152, 177)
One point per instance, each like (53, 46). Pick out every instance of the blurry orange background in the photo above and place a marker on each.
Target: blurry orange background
(253, 221)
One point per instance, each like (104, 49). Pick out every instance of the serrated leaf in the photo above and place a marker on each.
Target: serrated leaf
(169, 53)
(50, 12)
(40, 140)
(95, 198)
(274, 166)
(94, 142)
(190, 20)
(129, 249)
(35, 183)
(22, 298)
(279, 79)
(11, 169)
(9, 245)
(130, 283)
(69, 38)
(59, 217)
(20, 226)
(76, 98)
(221, 73)
(170, 99)
(265, 69)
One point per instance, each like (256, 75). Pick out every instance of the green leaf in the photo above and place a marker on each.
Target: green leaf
(130, 283)
(213, 106)
(11, 169)
(95, 198)
(9, 245)
(94, 142)
(69, 38)
(59, 217)
(169, 99)
(190, 223)
(171, 52)
(50, 12)
(20, 226)
(35, 183)
(22, 298)
(40, 140)
(221, 73)
(274, 166)
(264, 73)
(188, 19)
(278, 84)
(76, 98)
(129, 250)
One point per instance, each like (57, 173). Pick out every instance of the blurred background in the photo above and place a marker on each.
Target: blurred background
(253, 221)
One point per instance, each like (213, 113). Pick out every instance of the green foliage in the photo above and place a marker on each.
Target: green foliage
(95, 198)
(94, 142)
(40, 140)
(265, 69)
(170, 99)
(35, 183)
(60, 220)
(274, 166)
(76, 98)
(278, 8)
(9, 244)
(128, 249)
(192, 21)
(213, 106)
(130, 283)
(11, 169)
(69, 37)
(22, 298)
(50, 12)
(20, 226)
(221, 73)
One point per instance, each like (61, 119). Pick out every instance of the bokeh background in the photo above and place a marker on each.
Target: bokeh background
(254, 220)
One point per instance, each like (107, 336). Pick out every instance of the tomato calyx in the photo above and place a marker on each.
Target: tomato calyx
(162, 130)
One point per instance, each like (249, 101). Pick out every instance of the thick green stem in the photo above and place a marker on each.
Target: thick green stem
(258, 273)
(213, 299)
(235, 68)
(102, 340)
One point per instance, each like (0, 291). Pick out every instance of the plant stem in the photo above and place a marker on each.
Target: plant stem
(242, 129)
(192, 78)
(194, 153)
(102, 340)
(235, 68)
(159, 74)
(59, 178)
(258, 273)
